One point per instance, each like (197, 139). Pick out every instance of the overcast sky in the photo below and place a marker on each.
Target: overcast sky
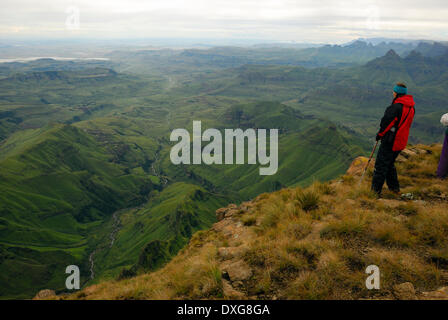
(288, 20)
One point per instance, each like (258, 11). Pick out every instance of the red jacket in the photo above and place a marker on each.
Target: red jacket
(397, 122)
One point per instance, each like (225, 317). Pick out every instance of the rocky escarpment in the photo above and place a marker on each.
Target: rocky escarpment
(237, 237)
(314, 243)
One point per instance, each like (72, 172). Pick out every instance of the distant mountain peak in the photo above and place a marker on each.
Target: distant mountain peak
(391, 53)
(432, 49)
(391, 58)
(359, 44)
(415, 55)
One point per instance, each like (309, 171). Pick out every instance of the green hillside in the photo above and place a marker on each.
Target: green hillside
(85, 174)
(309, 149)
(34, 99)
(303, 141)
(355, 97)
(61, 185)
(151, 234)
(57, 183)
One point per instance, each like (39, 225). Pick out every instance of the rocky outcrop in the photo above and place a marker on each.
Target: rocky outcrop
(404, 291)
(409, 152)
(358, 165)
(233, 210)
(231, 292)
(44, 294)
(235, 271)
(441, 294)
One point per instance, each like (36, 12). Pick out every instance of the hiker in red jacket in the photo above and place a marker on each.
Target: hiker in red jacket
(394, 134)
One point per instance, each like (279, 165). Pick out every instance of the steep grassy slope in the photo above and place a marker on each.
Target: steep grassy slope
(320, 153)
(312, 243)
(56, 183)
(309, 149)
(151, 234)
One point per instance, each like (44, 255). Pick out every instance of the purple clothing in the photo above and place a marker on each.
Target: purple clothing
(442, 170)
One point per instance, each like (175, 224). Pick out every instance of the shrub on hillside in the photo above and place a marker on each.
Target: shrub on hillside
(308, 199)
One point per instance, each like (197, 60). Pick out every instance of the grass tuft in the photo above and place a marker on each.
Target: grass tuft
(308, 199)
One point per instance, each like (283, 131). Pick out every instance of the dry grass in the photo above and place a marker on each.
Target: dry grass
(316, 243)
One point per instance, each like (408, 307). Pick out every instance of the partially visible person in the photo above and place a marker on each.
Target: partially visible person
(442, 170)
(394, 135)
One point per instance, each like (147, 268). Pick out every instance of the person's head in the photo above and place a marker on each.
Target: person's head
(400, 89)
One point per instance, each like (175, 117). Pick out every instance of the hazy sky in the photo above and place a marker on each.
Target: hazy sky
(295, 20)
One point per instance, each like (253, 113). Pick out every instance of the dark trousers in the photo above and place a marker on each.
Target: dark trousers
(385, 169)
(442, 170)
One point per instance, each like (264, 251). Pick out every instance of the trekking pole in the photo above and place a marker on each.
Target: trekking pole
(368, 162)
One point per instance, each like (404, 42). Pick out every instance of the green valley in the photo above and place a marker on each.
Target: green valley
(85, 172)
